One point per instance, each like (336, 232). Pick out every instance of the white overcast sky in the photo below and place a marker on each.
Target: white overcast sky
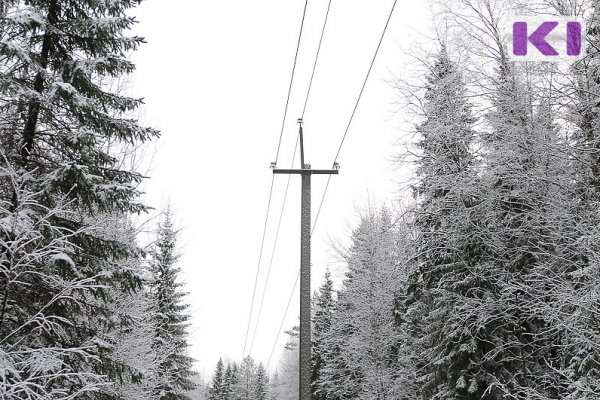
(214, 75)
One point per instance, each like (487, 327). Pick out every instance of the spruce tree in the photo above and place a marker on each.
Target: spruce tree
(227, 382)
(261, 384)
(170, 317)
(217, 387)
(60, 132)
(446, 251)
(230, 381)
(323, 311)
(526, 184)
(246, 384)
(62, 121)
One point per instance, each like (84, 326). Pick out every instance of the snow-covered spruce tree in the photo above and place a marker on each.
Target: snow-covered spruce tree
(32, 363)
(359, 356)
(323, 305)
(340, 378)
(59, 118)
(526, 219)
(124, 342)
(249, 381)
(446, 249)
(58, 123)
(170, 316)
(246, 382)
(261, 385)
(230, 380)
(217, 386)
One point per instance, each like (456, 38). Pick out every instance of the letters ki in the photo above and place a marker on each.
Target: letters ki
(546, 40)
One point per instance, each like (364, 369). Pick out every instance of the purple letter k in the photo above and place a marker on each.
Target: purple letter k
(537, 38)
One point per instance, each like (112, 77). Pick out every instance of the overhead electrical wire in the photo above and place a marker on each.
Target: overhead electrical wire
(262, 244)
(273, 179)
(356, 104)
(294, 156)
(334, 162)
(287, 307)
(312, 75)
(364, 82)
(273, 252)
(322, 200)
(287, 102)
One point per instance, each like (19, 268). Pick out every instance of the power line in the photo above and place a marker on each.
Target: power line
(335, 160)
(273, 252)
(356, 106)
(321, 204)
(287, 307)
(262, 243)
(295, 148)
(312, 75)
(287, 102)
(365, 81)
(283, 320)
(273, 180)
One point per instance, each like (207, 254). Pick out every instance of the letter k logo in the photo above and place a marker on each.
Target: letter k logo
(537, 38)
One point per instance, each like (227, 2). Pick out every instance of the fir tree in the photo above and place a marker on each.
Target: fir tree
(171, 319)
(245, 388)
(217, 387)
(323, 311)
(261, 384)
(60, 132)
(446, 172)
(230, 381)
(526, 184)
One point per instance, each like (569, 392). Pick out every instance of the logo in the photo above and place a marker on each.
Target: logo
(546, 39)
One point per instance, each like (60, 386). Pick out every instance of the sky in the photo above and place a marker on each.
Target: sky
(215, 76)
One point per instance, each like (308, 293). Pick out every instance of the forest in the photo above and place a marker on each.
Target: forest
(482, 281)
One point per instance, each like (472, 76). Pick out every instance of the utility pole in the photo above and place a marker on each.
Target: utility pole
(305, 172)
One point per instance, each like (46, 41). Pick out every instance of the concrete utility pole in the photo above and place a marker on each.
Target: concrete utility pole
(305, 321)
